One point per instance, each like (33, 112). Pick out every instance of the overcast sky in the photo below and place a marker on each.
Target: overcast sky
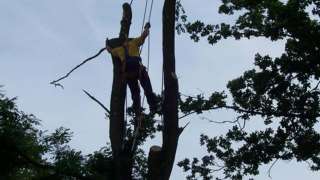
(43, 39)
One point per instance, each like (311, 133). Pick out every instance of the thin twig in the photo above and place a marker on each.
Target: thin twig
(244, 125)
(217, 170)
(182, 128)
(193, 112)
(97, 101)
(55, 82)
(270, 168)
(219, 122)
(188, 96)
(316, 87)
(188, 114)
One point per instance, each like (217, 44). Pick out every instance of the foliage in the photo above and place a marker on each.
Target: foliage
(29, 153)
(282, 91)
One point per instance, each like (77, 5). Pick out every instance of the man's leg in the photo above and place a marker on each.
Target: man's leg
(135, 95)
(146, 85)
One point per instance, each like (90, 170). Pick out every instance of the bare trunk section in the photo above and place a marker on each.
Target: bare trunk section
(171, 132)
(154, 160)
(121, 156)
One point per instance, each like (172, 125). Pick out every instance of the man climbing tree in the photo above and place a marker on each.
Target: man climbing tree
(127, 68)
(282, 92)
(131, 65)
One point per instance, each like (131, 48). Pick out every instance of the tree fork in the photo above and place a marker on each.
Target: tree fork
(170, 133)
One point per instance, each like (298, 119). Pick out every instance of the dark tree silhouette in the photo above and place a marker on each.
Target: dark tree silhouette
(282, 91)
(30, 153)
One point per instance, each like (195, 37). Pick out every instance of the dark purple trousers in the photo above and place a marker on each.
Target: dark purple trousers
(145, 83)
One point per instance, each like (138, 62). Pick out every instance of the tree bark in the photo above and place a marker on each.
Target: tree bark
(161, 160)
(121, 157)
(170, 133)
(153, 163)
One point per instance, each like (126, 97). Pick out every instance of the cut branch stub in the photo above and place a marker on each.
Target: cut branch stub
(170, 134)
(126, 21)
(153, 162)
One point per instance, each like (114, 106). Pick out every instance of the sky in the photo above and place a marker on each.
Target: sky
(41, 40)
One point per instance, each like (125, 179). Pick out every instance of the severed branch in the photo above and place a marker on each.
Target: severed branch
(55, 82)
(97, 101)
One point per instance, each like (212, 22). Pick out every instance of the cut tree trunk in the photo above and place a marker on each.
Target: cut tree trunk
(170, 132)
(122, 157)
(161, 159)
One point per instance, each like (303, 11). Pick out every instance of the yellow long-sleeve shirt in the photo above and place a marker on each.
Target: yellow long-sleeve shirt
(133, 49)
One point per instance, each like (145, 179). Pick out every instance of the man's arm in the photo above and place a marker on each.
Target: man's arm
(144, 34)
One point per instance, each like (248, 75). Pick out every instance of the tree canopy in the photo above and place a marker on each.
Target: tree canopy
(27, 152)
(283, 91)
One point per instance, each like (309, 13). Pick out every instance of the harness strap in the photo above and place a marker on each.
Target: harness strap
(133, 65)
